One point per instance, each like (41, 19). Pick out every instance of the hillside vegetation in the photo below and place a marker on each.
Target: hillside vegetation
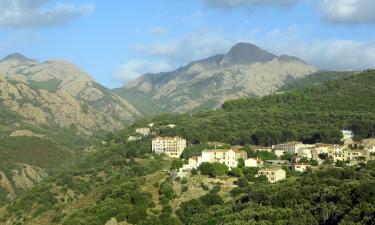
(123, 180)
(315, 114)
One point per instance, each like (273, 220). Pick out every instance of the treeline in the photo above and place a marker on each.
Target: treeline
(315, 114)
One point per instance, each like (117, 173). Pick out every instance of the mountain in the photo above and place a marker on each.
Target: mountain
(49, 112)
(246, 70)
(123, 181)
(57, 93)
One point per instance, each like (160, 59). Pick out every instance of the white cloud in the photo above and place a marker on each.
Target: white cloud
(32, 13)
(135, 68)
(330, 54)
(227, 4)
(348, 11)
(183, 50)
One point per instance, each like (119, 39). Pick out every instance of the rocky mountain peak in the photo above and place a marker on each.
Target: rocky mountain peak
(246, 53)
(17, 57)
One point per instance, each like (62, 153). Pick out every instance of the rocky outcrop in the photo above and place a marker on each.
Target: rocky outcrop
(245, 70)
(27, 176)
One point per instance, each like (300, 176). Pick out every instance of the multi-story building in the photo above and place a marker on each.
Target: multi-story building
(144, 131)
(171, 146)
(273, 174)
(291, 147)
(229, 157)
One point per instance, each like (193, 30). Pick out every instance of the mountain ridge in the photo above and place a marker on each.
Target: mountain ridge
(246, 70)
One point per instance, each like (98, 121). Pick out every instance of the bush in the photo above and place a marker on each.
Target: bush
(211, 199)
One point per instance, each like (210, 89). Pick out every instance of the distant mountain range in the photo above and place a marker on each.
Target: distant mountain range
(246, 70)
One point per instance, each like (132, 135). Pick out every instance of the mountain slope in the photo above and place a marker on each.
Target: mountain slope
(57, 93)
(246, 70)
(49, 112)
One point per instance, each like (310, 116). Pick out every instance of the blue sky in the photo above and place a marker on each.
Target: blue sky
(116, 41)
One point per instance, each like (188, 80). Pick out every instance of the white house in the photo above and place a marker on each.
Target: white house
(253, 162)
(171, 146)
(291, 147)
(347, 135)
(300, 167)
(279, 152)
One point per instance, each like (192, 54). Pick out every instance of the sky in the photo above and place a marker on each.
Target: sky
(116, 41)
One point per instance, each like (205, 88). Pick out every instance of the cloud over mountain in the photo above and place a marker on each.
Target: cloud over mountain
(348, 11)
(35, 13)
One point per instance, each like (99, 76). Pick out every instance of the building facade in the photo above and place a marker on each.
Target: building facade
(273, 174)
(170, 146)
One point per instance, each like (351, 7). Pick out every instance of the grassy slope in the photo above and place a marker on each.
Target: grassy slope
(141, 101)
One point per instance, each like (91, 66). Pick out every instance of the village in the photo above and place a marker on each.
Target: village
(294, 155)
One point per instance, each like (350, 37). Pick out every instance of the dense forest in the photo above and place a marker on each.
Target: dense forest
(313, 114)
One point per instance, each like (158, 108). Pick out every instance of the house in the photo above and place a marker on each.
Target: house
(171, 126)
(279, 152)
(253, 162)
(273, 174)
(145, 131)
(171, 146)
(305, 153)
(361, 155)
(134, 138)
(347, 135)
(229, 157)
(300, 167)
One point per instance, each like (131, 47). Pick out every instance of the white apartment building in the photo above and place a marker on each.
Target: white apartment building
(171, 146)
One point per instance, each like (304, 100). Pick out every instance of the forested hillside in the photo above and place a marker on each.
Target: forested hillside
(315, 79)
(314, 114)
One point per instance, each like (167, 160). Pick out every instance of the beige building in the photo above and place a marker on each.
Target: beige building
(273, 174)
(145, 131)
(229, 157)
(350, 155)
(171, 146)
(291, 147)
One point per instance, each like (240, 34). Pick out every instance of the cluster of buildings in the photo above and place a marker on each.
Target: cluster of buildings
(349, 153)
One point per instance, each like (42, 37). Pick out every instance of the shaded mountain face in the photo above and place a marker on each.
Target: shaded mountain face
(59, 94)
(246, 70)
